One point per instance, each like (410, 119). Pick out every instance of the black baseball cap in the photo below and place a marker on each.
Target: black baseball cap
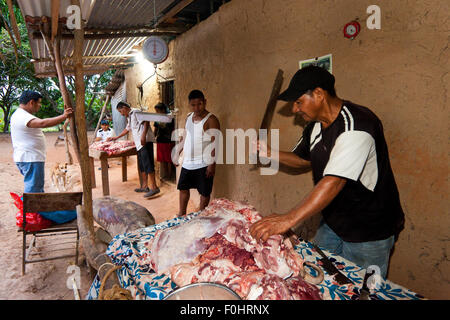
(305, 79)
(104, 121)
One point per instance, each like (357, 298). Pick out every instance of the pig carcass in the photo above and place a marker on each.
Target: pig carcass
(119, 216)
(216, 247)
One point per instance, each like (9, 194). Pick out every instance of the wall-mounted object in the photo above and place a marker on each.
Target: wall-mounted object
(155, 50)
(351, 29)
(325, 62)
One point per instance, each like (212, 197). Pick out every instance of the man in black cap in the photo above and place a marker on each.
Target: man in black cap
(355, 189)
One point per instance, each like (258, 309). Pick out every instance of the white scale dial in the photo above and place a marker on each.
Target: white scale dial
(155, 50)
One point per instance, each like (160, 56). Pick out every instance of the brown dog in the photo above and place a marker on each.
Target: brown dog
(59, 176)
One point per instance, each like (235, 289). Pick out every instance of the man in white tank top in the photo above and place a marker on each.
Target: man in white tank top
(198, 169)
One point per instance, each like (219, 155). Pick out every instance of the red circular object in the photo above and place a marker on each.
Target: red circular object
(351, 29)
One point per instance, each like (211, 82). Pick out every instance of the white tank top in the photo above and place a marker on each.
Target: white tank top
(196, 141)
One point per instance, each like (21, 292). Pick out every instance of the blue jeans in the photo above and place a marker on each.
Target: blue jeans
(363, 254)
(33, 175)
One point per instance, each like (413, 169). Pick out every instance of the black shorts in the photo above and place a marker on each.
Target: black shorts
(195, 179)
(145, 157)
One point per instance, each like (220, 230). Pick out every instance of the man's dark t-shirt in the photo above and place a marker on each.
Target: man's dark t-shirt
(353, 147)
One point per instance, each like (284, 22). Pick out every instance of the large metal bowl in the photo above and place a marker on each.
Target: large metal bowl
(203, 291)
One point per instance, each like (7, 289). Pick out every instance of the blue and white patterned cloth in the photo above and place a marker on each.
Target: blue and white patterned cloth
(127, 249)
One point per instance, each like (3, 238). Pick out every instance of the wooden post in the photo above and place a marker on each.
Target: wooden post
(81, 125)
(108, 97)
(66, 96)
(55, 18)
(55, 55)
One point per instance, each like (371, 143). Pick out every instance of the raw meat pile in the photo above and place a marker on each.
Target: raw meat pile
(216, 247)
(113, 147)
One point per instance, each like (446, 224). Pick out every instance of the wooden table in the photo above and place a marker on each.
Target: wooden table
(103, 157)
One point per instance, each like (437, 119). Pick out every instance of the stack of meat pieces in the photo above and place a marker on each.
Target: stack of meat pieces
(113, 147)
(216, 247)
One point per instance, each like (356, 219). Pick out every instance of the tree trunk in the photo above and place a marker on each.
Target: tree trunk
(81, 125)
(66, 141)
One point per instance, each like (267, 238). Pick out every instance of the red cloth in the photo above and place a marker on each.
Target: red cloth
(164, 152)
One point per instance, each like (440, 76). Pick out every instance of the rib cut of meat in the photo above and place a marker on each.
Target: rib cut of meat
(216, 247)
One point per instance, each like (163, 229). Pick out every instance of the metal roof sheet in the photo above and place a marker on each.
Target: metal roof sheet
(99, 54)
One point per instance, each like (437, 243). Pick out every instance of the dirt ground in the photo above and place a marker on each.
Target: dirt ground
(47, 280)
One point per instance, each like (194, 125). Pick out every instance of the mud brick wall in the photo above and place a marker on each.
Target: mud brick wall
(401, 72)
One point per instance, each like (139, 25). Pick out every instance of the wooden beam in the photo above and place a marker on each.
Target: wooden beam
(16, 51)
(55, 54)
(172, 12)
(86, 57)
(13, 20)
(108, 97)
(81, 126)
(55, 17)
(101, 36)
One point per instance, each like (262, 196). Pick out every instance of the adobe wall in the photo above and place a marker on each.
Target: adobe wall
(401, 72)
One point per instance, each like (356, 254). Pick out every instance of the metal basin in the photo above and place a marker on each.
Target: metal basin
(203, 291)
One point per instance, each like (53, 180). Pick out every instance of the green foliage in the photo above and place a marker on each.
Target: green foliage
(16, 76)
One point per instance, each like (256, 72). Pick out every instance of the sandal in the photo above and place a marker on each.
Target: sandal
(142, 190)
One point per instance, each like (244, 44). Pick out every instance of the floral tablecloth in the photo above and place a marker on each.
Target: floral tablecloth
(144, 284)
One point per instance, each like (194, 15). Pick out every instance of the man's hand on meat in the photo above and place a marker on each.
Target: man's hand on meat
(270, 225)
(322, 194)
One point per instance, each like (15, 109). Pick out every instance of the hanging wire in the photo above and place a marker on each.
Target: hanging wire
(155, 72)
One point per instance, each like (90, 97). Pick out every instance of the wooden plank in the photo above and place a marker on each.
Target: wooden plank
(51, 201)
(172, 12)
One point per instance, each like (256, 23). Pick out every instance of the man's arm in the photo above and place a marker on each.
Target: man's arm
(318, 199)
(49, 122)
(212, 123)
(144, 133)
(289, 159)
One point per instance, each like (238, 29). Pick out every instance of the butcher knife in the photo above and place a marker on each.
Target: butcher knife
(364, 292)
(330, 268)
(270, 108)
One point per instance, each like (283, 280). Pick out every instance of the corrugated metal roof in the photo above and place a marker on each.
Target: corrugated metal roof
(99, 14)
(125, 13)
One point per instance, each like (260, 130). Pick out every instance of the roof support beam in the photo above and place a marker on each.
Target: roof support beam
(85, 212)
(55, 17)
(99, 36)
(172, 12)
(85, 57)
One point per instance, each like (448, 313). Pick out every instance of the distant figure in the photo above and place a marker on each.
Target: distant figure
(28, 140)
(105, 132)
(143, 139)
(195, 172)
(164, 144)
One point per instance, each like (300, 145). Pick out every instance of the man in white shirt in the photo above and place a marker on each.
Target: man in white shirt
(29, 141)
(143, 138)
(105, 132)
